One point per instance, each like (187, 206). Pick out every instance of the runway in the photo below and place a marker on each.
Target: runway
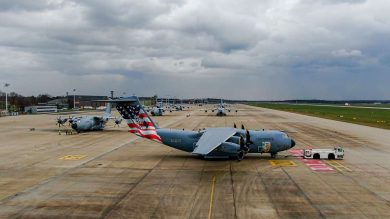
(114, 174)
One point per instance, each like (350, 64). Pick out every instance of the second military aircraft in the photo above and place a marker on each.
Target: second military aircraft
(90, 122)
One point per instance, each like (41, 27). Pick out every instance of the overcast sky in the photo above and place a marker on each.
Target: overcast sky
(246, 49)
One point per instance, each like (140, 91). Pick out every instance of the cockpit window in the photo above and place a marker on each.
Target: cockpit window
(284, 135)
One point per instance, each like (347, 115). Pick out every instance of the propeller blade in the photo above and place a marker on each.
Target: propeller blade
(243, 149)
(242, 127)
(248, 138)
(235, 126)
(242, 142)
(240, 155)
(118, 121)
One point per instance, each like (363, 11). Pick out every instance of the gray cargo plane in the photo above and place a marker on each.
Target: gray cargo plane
(91, 123)
(221, 110)
(157, 110)
(210, 142)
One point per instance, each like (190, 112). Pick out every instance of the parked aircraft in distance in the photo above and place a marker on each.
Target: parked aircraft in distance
(221, 109)
(157, 110)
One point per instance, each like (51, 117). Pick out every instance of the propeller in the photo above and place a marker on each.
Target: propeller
(242, 142)
(243, 149)
(71, 120)
(235, 126)
(118, 121)
(242, 127)
(61, 121)
(248, 138)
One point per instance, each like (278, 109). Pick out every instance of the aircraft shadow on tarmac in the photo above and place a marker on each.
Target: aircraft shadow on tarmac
(75, 132)
(192, 156)
(231, 115)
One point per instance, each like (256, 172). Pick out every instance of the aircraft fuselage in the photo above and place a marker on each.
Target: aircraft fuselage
(262, 141)
(221, 111)
(89, 123)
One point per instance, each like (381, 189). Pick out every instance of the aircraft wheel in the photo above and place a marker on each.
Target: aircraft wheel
(331, 157)
(273, 155)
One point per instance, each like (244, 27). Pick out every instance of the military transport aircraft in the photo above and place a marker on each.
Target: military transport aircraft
(179, 107)
(210, 142)
(157, 110)
(90, 123)
(221, 110)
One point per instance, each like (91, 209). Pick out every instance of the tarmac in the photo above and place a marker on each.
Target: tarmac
(115, 174)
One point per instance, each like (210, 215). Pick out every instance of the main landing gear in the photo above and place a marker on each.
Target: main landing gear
(273, 155)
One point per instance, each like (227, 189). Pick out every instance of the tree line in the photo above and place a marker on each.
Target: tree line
(17, 102)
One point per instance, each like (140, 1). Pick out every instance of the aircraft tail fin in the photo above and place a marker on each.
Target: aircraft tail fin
(107, 112)
(136, 117)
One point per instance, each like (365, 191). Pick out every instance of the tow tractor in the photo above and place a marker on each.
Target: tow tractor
(331, 154)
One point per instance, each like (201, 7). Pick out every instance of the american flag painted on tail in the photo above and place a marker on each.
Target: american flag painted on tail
(138, 121)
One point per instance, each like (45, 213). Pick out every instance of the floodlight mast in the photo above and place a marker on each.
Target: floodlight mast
(74, 99)
(6, 97)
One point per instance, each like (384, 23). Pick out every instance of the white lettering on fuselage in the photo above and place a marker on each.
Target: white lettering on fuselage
(175, 140)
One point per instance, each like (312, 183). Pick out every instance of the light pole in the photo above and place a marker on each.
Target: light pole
(6, 97)
(67, 99)
(74, 99)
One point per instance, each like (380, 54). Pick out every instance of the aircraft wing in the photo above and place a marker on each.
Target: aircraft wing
(212, 138)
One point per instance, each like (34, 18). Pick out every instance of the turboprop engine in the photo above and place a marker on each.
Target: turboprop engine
(229, 147)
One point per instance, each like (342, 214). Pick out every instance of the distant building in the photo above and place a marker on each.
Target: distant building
(346, 104)
(40, 109)
(60, 103)
(3, 113)
(86, 101)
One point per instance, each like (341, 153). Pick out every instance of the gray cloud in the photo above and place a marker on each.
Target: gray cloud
(347, 53)
(247, 49)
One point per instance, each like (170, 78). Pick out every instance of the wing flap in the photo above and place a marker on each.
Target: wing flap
(212, 138)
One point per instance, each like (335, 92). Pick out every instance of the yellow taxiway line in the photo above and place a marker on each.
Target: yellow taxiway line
(72, 157)
(338, 166)
(211, 198)
(282, 163)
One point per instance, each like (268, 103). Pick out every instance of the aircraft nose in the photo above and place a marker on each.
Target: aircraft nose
(292, 143)
(74, 126)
